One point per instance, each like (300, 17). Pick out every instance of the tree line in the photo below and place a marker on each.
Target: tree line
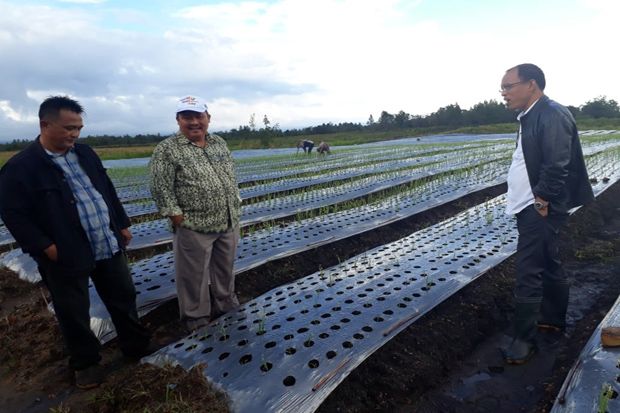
(451, 116)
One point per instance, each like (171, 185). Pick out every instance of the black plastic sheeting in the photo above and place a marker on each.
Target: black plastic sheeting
(275, 243)
(263, 171)
(288, 184)
(312, 199)
(299, 236)
(270, 170)
(289, 348)
(5, 236)
(148, 207)
(154, 277)
(597, 367)
(156, 232)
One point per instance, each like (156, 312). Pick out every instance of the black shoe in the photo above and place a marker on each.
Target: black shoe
(137, 354)
(519, 352)
(89, 378)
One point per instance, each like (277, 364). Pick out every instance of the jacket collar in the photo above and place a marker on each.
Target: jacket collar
(39, 151)
(540, 104)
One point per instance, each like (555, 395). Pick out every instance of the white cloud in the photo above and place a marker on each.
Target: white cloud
(14, 115)
(83, 1)
(301, 63)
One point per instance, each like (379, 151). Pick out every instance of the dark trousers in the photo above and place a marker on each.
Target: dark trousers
(70, 296)
(540, 276)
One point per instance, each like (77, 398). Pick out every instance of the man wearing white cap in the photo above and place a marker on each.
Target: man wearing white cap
(193, 183)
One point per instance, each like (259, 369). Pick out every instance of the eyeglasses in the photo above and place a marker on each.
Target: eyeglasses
(507, 87)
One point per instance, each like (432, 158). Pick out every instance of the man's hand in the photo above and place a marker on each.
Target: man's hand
(176, 220)
(51, 252)
(544, 211)
(126, 236)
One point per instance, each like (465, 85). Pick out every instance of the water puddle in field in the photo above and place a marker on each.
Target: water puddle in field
(468, 386)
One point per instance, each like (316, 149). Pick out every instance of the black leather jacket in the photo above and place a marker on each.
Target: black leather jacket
(553, 156)
(38, 207)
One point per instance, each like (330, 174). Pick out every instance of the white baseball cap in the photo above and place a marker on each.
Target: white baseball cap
(193, 103)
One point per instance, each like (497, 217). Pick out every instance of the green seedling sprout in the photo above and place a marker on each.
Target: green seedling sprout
(605, 395)
(263, 363)
(489, 216)
(261, 324)
(317, 295)
(222, 330)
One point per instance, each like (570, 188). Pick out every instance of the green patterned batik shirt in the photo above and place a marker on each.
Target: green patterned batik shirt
(198, 183)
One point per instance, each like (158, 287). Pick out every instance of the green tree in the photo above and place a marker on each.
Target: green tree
(450, 115)
(401, 119)
(600, 107)
(574, 110)
(371, 120)
(252, 122)
(386, 120)
(488, 112)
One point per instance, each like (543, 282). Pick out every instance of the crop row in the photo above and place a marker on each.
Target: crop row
(302, 339)
(154, 277)
(350, 168)
(259, 246)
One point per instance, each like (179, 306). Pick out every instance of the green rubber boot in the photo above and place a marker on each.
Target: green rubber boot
(523, 345)
(553, 307)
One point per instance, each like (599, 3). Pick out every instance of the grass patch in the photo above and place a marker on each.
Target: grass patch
(148, 388)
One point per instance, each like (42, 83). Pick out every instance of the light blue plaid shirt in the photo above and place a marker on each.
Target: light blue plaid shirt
(92, 209)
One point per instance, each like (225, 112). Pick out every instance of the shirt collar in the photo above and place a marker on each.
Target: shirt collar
(54, 155)
(525, 112)
(183, 140)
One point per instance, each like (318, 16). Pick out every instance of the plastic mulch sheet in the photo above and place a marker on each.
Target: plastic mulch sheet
(289, 348)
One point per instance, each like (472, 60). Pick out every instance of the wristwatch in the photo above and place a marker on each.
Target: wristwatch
(539, 205)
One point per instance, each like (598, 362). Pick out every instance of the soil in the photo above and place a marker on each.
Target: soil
(448, 361)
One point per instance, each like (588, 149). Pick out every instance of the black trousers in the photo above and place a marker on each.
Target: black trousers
(539, 269)
(112, 280)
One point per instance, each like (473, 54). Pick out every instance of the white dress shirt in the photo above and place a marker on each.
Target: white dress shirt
(520, 193)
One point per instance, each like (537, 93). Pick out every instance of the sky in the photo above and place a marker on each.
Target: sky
(300, 62)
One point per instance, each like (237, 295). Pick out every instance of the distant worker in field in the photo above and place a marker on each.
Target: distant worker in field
(193, 183)
(323, 148)
(60, 206)
(546, 179)
(306, 145)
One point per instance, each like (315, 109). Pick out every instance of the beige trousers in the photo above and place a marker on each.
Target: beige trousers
(204, 274)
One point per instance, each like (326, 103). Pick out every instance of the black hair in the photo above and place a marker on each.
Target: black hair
(528, 71)
(51, 107)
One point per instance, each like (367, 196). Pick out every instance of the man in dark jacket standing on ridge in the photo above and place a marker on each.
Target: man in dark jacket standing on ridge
(546, 179)
(60, 206)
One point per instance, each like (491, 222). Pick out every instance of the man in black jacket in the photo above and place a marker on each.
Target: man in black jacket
(546, 179)
(61, 207)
